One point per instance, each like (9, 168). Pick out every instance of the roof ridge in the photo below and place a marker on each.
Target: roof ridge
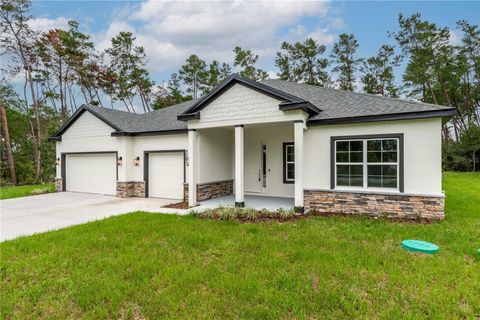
(111, 109)
(173, 105)
(361, 93)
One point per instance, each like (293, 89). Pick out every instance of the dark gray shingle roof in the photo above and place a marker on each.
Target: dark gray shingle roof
(158, 120)
(337, 104)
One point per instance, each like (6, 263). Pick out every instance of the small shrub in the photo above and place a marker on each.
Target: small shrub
(285, 214)
(250, 214)
(246, 214)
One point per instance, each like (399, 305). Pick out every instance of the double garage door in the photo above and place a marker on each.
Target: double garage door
(97, 173)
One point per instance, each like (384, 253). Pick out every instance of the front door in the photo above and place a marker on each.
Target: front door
(255, 167)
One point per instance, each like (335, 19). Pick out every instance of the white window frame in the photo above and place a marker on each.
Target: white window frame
(287, 146)
(365, 165)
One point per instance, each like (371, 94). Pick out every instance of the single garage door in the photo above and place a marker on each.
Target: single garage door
(92, 173)
(166, 175)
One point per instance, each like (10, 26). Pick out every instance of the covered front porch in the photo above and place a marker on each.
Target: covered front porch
(250, 165)
(252, 201)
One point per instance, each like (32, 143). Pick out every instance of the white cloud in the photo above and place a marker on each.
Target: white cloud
(172, 30)
(45, 24)
(337, 23)
(455, 38)
(272, 74)
(322, 35)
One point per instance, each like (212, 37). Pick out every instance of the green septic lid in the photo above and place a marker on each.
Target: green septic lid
(420, 246)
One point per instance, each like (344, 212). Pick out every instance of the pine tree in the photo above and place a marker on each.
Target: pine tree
(246, 59)
(345, 61)
(303, 62)
(127, 72)
(377, 73)
(194, 74)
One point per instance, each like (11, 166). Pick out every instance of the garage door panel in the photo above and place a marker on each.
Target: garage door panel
(166, 175)
(91, 173)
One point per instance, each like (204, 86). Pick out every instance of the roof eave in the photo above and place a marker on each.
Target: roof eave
(147, 133)
(188, 116)
(444, 113)
(55, 138)
(299, 105)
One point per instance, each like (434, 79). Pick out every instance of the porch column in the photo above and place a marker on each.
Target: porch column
(192, 164)
(298, 140)
(239, 167)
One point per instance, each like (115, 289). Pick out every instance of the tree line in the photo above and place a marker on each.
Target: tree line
(48, 75)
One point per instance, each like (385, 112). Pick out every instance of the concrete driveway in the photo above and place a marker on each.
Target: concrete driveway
(29, 215)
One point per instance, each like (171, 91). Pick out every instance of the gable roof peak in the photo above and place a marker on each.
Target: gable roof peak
(288, 101)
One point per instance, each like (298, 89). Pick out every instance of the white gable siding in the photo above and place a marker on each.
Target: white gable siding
(87, 126)
(240, 102)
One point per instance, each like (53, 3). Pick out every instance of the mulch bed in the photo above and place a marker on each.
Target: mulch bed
(178, 205)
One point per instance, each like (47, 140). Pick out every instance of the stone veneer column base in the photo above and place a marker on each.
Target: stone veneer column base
(131, 189)
(390, 206)
(211, 190)
(58, 185)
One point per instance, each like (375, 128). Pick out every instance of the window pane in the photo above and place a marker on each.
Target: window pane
(389, 182)
(356, 170)
(374, 145)
(343, 170)
(356, 156)
(382, 176)
(389, 145)
(342, 156)
(374, 176)
(389, 156)
(374, 156)
(342, 145)
(390, 170)
(290, 171)
(375, 170)
(290, 153)
(350, 175)
(374, 181)
(356, 145)
(342, 180)
(356, 181)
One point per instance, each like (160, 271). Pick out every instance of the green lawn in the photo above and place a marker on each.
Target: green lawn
(27, 190)
(155, 266)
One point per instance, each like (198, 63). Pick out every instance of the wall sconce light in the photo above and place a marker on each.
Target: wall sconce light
(136, 161)
(57, 162)
(119, 161)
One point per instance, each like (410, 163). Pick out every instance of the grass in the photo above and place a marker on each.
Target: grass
(153, 266)
(8, 192)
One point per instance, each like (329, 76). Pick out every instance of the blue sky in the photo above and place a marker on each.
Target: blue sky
(171, 31)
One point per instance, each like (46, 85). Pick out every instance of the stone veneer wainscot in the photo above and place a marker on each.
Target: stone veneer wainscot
(58, 184)
(131, 189)
(391, 206)
(211, 190)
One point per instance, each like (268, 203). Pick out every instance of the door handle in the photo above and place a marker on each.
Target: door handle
(259, 173)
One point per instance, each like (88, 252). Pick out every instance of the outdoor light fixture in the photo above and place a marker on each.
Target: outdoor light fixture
(119, 161)
(57, 162)
(136, 161)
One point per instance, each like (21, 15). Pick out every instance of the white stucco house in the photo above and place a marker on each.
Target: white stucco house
(328, 150)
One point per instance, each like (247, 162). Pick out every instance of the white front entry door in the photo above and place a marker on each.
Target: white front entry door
(91, 173)
(166, 175)
(253, 166)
